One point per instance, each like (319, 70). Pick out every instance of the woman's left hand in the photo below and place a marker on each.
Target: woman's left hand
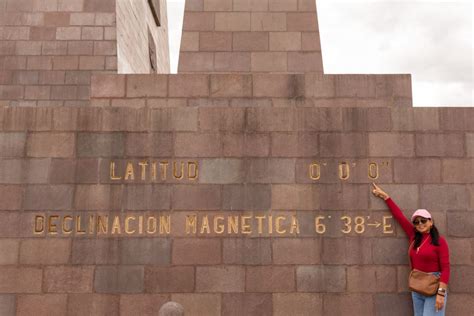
(439, 302)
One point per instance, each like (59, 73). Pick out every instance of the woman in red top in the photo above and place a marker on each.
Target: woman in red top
(429, 253)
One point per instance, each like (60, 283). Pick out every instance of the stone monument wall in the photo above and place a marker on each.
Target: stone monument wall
(231, 194)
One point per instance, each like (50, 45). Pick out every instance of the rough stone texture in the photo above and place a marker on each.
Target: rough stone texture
(253, 108)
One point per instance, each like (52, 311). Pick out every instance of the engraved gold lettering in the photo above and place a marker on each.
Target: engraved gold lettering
(347, 224)
(245, 225)
(314, 171)
(79, 230)
(67, 228)
(112, 172)
(163, 167)
(260, 223)
(270, 224)
(205, 225)
(52, 227)
(295, 227)
(278, 225)
(91, 224)
(129, 172)
(116, 229)
(373, 171)
(143, 165)
(191, 224)
(359, 227)
(387, 226)
(102, 224)
(318, 225)
(344, 171)
(127, 224)
(39, 224)
(233, 225)
(153, 171)
(165, 224)
(140, 224)
(193, 171)
(151, 225)
(218, 224)
(178, 175)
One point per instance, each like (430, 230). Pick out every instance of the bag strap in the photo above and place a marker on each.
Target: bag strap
(409, 257)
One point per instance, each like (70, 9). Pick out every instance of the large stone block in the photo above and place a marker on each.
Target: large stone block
(246, 145)
(226, 279)
(48, 197)
(67, 279)
(346, 304)
(460, 304)
(194, 197)
(470, 144)
(270, 279)
(425, 170)
(390, 251)
(118, 279)
(295, 197)
(100, 145)
(391, 145)
(246, 197)
(169, 279)
(10, 197)
(415, 119)
(9, 249)
(376, 279)
(343, 145)
(151, 251)
(147, 197)
(267, 21)
(199, 304)
(393, 304)
(198, 145)
(221, 171)
(247, 251)
(107, 86)
(281, 5)
(458, 170)
(196, 251)
(232, 61)
(460, 224)
(250, 304)
(92, 304)
(303, 304)
(149, 144)
(63, 171)
(147, 86)
(459, 279)
(273, 85)
(461, 251)
(294, 145)
(232, 21)
(364, 119)
(270, 62)
(98, 197)
(12, 144)
(321, 279)
(55, 145)
(347, 250)
(270, 119)
(188, 85)
(405, 195)
(221, 119)
(456, 119)
(141, 304)
(440, 145)
(20, 280)
(344, 197)
(11, 171)
(8, 305)
(445, 197)
(277, 170)
(250, 41)
(95, 251)
(42, 305)
(45, 251)
(297, 251)
(358, 86)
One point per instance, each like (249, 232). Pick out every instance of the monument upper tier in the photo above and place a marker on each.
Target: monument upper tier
(271, 36)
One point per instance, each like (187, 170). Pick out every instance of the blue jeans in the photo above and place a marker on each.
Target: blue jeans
(426, 305)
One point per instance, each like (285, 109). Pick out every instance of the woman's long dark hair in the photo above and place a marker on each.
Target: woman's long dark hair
(434, 237)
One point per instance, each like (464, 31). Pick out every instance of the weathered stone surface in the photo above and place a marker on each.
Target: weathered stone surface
(20, 280)
(7, 305)
(297, 304)
(343, 145)
(45, 251)
(460, 224)
(92, 304)
(169, 279)
(141, 304)
(375, 279)
(42, 305)
(65, 279)
(192, 197)
(426, 170)
(391, 145)
(440, 145)
(321, 278)
(48, 197)
(119, 279)
(357, 304)
(247, 251)
(393, 305)
(55, 145)
(347, 250)
(251, 197)
(270, 279)
(295, 197)
(155, 251)
(221, 171)
(390, 251)
(10, 197)
(296, 251)
(199, 304)
(277, 170)
(228, 279)
(460, 304)
(196, 251)
(459, 277)
(444, 197)
(95, 251)
(252, 304)
(100, 145)
(12, 144)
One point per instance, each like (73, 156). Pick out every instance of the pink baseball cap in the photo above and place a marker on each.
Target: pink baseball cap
(421, 212)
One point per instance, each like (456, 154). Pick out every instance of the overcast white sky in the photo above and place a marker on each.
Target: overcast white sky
(431, 39)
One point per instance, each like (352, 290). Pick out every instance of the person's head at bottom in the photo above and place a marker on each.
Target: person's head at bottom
(171, 309)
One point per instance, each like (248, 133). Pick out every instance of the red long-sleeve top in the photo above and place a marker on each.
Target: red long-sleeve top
(430, 258)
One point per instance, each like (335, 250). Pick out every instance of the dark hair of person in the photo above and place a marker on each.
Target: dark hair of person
(434, 237)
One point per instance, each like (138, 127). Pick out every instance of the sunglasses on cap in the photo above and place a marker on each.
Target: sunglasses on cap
(421, 220)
